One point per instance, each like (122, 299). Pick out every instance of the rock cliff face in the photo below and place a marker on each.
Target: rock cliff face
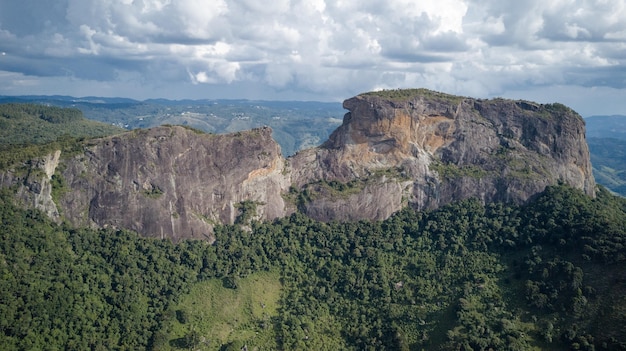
(444, 148)
(173, 182)
(34, 184)
(395, 148)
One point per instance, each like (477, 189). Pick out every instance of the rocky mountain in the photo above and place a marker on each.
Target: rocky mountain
(394, 148)
(440, 148)
(169, 182)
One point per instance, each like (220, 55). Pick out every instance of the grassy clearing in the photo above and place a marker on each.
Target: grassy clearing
(221, 316)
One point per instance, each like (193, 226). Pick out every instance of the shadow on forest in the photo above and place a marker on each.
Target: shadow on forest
(180, 343)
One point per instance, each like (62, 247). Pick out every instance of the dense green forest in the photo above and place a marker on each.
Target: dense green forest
(547, 275)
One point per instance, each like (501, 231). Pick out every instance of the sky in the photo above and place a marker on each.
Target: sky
(567, 51)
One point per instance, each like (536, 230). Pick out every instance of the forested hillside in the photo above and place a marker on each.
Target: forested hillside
(30, 130)
(22, 124)
(548, 275)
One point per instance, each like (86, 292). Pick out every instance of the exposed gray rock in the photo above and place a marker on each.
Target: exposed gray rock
(172, 182)
(33, 183)
(422, 149)
(451, 148)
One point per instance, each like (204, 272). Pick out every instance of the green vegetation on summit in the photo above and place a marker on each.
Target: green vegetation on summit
(407, 94)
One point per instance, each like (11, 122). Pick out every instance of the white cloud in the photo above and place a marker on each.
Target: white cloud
(197, 16)
(90, 46)
(316, 48)
(151, 5)
(200, 77)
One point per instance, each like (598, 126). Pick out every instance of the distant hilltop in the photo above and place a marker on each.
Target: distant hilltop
(395, 148)
(295, 125)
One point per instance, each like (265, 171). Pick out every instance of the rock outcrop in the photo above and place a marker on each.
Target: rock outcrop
(445, 148)
(394, 149)
(34, 184)
(172, 182)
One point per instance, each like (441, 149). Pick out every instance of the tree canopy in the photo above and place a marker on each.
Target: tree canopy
(468, 276)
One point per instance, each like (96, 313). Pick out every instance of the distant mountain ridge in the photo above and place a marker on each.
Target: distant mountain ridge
(606, 136)
(295, 124)
(613, 126)
(394, 149)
